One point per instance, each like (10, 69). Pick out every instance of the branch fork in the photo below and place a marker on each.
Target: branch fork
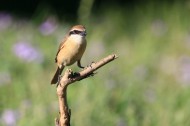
(69, 78)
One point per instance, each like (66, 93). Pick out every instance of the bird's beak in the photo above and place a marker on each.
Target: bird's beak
(83, 33)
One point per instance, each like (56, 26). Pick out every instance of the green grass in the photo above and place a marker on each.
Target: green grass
(145, 86)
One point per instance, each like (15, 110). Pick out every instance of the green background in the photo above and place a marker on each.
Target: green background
(148, 85)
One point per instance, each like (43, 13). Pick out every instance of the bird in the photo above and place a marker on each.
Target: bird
(70, 50)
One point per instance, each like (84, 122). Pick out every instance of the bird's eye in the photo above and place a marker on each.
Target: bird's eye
(77, 32)
(74, 32)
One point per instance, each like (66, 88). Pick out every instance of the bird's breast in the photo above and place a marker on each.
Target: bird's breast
(72, 51)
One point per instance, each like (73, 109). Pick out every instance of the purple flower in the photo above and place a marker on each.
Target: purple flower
(48, 27)
(27, 52)
(9, 117)
(5, 20)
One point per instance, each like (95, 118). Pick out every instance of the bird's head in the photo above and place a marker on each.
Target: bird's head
(78, 30)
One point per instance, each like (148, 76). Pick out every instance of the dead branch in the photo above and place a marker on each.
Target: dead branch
(68, 78)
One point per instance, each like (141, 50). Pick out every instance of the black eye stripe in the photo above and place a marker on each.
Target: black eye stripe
(75, 32)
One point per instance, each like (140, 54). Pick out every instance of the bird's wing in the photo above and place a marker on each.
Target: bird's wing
(60, 47)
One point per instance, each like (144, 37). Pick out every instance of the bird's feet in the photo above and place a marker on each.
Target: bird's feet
(75, 74)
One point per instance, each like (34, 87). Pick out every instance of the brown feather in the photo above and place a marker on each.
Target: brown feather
(61, 45)
(56, 75)
(69, 51)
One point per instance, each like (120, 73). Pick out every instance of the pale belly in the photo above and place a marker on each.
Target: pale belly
(70, 53)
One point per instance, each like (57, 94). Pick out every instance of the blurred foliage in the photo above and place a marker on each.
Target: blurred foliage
(149, 84)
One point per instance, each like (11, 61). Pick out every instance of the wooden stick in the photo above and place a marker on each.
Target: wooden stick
(69, 78)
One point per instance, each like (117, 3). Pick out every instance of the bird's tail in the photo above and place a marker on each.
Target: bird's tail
(56, 76)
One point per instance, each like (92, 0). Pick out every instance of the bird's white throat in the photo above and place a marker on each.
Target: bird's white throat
(77, 38)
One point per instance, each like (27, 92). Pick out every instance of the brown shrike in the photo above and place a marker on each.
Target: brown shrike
(70, 50)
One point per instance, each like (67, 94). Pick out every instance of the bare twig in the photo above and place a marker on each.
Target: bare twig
(68, 78)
